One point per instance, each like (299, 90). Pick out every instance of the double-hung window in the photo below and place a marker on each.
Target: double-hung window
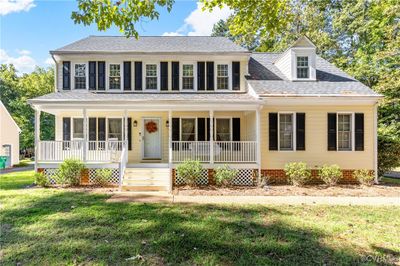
(115, 77)
(115, 129)
(344, 132)
(188, 129)
(302, 67)
(222, 77)
(187, 77)
(80, 76)
(77, 128)
(151, 77)
(286, 132)
(223, 129)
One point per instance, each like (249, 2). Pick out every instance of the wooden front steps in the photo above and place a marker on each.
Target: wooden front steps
(146, 179)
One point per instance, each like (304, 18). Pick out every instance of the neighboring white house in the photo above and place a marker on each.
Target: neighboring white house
(141, 107)
(9, 137)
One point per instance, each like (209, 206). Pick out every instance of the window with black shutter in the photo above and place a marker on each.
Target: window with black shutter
(92, 75)
(175, 76)
(138, 76)
(210, 76)
(235, 75)
(300, 131)
(332, 132)
(66, 75)
(101, 75)
(273, 131)
(127, 76)
(359, 131)
(164, 76)
(201, 76)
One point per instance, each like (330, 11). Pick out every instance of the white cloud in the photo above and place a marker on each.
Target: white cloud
(23, 63)
(200, 23)
(11, 6)
(23, 52)
(49, 61)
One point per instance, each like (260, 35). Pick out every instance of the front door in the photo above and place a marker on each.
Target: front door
(151, 138)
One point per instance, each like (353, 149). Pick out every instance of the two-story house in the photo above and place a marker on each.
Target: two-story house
(140, 107)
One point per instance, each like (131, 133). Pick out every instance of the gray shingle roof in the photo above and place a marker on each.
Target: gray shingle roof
(266, 79)
(88, 96)
(153, 44)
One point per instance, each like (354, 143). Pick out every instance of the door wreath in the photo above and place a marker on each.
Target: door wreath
(151, 127)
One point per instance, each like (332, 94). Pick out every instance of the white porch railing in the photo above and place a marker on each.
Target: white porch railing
(96, 151)
(224, 151)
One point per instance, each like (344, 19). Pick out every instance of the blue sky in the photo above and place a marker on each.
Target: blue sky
(30, 28)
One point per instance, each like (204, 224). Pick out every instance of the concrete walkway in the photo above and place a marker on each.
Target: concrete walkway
(162, 197)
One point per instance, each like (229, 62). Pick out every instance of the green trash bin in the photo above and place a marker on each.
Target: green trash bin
(3, 160)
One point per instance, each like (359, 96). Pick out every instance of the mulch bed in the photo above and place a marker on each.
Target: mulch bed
(385, 190)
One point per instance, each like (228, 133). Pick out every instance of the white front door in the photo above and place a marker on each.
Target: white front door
(151, 146)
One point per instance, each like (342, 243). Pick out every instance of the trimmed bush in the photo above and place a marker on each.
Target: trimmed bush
(364, 176)
(70, 172)
(103, 176)
(190, 171)
(330, 174)
(298, 173)
(41, 180)
(224, 175)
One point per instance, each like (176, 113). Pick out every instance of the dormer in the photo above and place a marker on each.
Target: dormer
(298, 63)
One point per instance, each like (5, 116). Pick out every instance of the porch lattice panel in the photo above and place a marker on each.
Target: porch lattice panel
(203, 180)
(244, 177)
(114, 179)
(51, 174)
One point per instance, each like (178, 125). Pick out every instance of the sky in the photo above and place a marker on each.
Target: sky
(29, 29)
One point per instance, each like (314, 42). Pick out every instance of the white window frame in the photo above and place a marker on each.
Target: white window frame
(195, 127)
(86, 75)
(229, 75)
(352, 127)
(73, 128)
(120, 76)
(230, 126)
(308, 67)
(181, 75)
(107, 126)
(144, 75)
(293, 131)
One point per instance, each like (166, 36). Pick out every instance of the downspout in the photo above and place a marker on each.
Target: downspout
(55, 73)
(376, 142)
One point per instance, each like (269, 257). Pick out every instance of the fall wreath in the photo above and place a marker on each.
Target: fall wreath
(151, 127)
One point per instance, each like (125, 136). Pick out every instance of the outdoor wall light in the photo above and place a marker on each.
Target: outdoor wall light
(167, 123)
(135, 123)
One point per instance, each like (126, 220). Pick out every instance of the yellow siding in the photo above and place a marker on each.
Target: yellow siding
(316, 153)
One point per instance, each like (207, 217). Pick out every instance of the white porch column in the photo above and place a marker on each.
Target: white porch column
(37, 137)
(170, 149)
(376, 143)
(211, 133)
(85, 134)
(126, 130)
(258, 129)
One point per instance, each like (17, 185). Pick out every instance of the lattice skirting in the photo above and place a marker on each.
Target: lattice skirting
(244, 177)
(51, 174)
(203, 180)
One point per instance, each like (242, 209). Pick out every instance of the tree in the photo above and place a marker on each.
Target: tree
(270, 15)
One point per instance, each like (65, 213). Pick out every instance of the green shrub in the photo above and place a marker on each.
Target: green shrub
(103, 176)
(70, 172)
(364, 176)
(388, 148)
(190, 171)
(41, 180)
(298, 173)
(330, 174)
(224, 175)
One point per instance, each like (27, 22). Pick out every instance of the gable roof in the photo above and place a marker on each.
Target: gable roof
(267, 80)
(152, 44)
(8, 115)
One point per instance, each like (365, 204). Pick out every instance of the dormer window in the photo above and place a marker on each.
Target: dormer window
(80, 76)
(151, 77)
(187, 77)
(302, 67)
(222, 77)
(115, 76)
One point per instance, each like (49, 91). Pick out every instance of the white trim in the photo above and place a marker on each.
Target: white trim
(375, 144)
(294, 141)
(160, 137)
(181, 63)
(352, 120)
(230, 126)
(108, 69)
(144, 75)
(216, 63)
(195, 126)
(296, 67)
(86, 75)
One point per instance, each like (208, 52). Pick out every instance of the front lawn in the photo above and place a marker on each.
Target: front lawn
(55, 226)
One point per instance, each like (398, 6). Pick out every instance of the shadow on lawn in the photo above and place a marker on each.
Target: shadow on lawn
(81, 228)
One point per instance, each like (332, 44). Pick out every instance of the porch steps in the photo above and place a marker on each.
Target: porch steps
(146, 179)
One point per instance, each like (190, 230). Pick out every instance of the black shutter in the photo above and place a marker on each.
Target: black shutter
(201, 75)
(210, 76)
(92, 75)
(138, 76)
(101, 75)
(66, 128)
(175, 76)
(66, 75)
(273, 131)
(127, 76)
(332, 132)
(129, 133)
(236, 129)
(175, 133)
(92, 128)
(164, 76)
(300, 131)
(359, 131)
(235, 75)
(201, 129)
(208, 129)
(101, 129)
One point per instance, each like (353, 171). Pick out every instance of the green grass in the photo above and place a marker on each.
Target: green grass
(23, 163)
(54, 226)
(16, 180)
(390, 180)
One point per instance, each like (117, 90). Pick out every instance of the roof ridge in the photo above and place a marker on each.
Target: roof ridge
(158, 36)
